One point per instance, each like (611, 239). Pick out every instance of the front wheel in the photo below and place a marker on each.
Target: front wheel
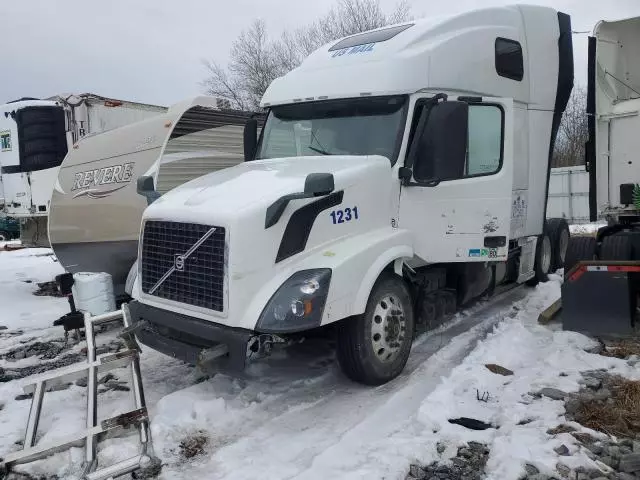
(373, 348)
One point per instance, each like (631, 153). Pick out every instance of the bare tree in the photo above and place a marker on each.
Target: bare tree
(255, 60)
(573, 132)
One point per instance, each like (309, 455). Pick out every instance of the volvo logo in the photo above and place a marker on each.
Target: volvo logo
(179, 260)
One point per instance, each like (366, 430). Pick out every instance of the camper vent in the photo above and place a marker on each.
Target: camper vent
(196, 274)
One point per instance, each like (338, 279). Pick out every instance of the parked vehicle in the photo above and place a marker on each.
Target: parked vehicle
(95, 216)
(35, 136)
(400, 173)
(601, 272)
(9, 228)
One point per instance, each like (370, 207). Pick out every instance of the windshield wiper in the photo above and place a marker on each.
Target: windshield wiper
(319, 150)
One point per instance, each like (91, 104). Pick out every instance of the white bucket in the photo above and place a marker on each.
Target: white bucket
(93, 292)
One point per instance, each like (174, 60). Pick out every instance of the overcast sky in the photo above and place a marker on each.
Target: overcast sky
(151, 50)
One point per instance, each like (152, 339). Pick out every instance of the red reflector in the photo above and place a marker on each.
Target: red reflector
(624, 268)
(577, 273)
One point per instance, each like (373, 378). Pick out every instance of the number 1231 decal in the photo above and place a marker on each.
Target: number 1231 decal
(346, 215)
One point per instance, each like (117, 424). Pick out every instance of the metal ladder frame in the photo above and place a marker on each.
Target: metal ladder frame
(90, 437)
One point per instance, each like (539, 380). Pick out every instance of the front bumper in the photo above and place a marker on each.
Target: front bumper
(185, 338)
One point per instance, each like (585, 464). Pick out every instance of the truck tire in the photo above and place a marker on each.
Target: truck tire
(615, 247)
(544, 254)
(41, 161)
(37, 115)
(373, 348)
(4, 236)
(41, 145)
(558, 229)
(36, 131)
(579, 249)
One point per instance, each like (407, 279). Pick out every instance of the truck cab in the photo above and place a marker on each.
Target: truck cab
(400, 174)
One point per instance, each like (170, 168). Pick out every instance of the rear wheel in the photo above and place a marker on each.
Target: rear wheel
(543, 260)
(4, 236)
(579, 249)
(373, 348)
(615, 247)
(558, 229)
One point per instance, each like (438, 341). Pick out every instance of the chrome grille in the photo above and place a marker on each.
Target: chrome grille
(197, 277)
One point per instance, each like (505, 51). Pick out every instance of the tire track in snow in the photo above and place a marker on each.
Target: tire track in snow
(320, 427)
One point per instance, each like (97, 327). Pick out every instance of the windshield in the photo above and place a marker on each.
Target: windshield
(361, 126)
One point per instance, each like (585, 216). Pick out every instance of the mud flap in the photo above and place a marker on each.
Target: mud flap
(600, 298)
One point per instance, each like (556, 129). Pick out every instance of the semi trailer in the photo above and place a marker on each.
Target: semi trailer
(35, 136)
(401, 173)
(602, 272)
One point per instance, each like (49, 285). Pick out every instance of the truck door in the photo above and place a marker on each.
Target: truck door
(465, 215)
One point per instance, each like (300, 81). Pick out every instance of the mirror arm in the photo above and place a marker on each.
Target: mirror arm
(276, 209)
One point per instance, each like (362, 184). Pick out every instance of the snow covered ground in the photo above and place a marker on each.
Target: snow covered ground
(296, 416)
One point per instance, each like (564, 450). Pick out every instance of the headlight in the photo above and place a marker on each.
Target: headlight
(298, 304)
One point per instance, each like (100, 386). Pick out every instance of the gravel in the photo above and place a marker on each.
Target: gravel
(620, 454)
(468, 464)
(49, 351)
(552, 393)
(630, 463)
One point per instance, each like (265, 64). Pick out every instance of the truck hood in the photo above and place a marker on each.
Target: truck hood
(258, 182)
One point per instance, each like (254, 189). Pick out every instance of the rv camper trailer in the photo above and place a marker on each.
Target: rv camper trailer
(35, 136)
(94, 222)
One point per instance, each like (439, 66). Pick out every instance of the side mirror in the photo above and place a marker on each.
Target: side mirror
(145, 187)
(441, 150)
(250, 139)
(318, 184)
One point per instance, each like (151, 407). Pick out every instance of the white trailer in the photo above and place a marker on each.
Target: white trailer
(400, 173)
(602, 272)
(36, 135)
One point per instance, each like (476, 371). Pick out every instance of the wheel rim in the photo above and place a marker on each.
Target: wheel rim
(388, 329)
(545, 258)
(3, 238)
(563, 243)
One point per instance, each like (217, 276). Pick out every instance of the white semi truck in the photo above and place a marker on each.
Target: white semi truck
(400, 173)
(35, 136)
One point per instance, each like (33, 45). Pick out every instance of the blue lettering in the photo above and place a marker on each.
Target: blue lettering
(367, 47)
